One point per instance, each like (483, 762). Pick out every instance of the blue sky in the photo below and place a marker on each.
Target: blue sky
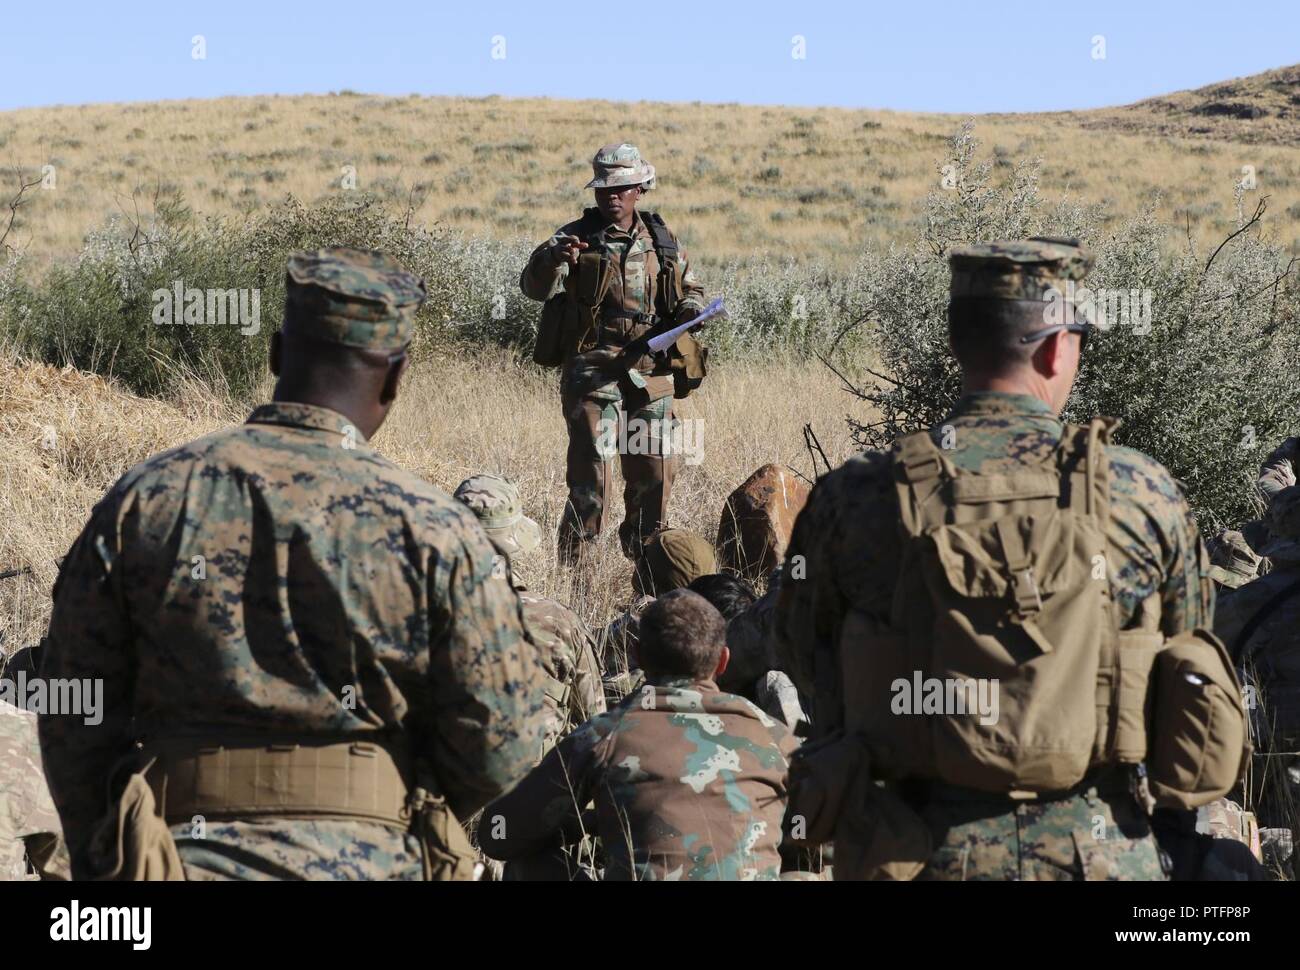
(923, 55)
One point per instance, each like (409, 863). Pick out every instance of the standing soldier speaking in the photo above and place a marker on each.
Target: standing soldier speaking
(988, 615)
(607, 279)
(309, 664)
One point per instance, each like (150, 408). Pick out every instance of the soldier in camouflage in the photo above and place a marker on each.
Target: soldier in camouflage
(687, 781)
(1233, 563)
(278, 601)
(573, 691)
(1260, 624)
(1278, 470)
(604, 403)
(31, 839)
(845, 555)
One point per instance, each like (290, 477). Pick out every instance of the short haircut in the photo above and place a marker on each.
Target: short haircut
(682, 635)
(730, 595)
(985, 333)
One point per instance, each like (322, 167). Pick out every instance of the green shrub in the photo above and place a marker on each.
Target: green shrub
(1208, 391)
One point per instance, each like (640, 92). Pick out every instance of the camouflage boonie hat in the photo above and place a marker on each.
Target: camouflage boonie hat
(1022, 269)
(1284, 525)
(355, 297)
(671, 559)
(495, 500)
(621, 164)
(1232, 562)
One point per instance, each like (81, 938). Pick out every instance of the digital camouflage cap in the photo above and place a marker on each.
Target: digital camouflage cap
(1232, 562)
(354, 297)
(1025, 269)
(620, 164)
(496, 502)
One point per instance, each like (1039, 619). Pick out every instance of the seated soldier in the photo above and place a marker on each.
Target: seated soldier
(688, 782)
(573, 682)
(670, 559)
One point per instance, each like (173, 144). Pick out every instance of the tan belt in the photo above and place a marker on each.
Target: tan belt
(347, 779)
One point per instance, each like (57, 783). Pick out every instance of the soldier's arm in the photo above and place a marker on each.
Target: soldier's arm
(587, 698)
(486, 676)
(89, 641)
(802, 620)
(543, 275)
(693, 300)
(545, 809)
(1278, 470)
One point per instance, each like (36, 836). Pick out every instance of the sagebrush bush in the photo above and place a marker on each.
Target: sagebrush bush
(1207, 391)
(96, 312)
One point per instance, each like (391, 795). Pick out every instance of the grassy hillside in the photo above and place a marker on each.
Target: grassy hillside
(810, 184)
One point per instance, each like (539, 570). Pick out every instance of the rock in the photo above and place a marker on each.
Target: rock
(757, 520)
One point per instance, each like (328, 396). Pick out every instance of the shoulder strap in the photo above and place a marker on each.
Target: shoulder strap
(919, 467)
(1256, 621)
(664, 243)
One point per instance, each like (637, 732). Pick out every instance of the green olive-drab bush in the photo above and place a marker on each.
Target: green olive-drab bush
(1205, 376)
(1206, 382)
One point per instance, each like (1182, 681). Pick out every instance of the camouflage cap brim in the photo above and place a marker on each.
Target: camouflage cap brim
(1227, 578)
(617, 176)
(520, 536)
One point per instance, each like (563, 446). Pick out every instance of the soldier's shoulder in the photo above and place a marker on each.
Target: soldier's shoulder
(1137, 477)
(865, 479)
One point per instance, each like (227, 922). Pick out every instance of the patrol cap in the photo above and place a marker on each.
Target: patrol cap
(1232, 562)
(671, 559)
(495, 500)
(620, 164)
(1023, 269)
(354, 297)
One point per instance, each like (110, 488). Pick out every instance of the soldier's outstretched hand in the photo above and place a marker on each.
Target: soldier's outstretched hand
(565, 249)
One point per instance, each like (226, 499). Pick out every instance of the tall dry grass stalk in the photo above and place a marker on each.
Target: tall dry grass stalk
(68, 436)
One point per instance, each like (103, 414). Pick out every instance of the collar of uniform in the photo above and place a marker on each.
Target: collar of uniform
(637, 228)
(311, 416)
(1002, 404)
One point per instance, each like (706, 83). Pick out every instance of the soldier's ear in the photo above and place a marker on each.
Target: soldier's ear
(724, 658)
(388, 393)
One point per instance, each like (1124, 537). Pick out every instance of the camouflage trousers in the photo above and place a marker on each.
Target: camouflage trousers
(1092, 835)
(599, 431)
(298, 849)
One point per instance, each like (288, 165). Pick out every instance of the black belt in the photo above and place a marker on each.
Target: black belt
(1108, 780)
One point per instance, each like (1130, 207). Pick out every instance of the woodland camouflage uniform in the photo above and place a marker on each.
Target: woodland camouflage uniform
(592, 397)
(568, 650)
(280, 583)
(847, 545)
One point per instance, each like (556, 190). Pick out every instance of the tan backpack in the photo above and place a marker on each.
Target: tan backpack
(1004, 593)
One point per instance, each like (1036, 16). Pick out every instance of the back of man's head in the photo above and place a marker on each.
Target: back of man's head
(348, 319)
(1002, 292)
(682, 635)
(730, 595)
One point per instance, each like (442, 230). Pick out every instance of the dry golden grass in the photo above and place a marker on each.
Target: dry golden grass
(68, 436)
(734, 180)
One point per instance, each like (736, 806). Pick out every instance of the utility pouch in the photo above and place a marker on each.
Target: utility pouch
(549, 348)
(821, 773)
(132, 842)
(1201, 744)
(448, 855)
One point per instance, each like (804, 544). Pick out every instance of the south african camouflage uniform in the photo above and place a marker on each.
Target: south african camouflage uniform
(687, 783)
